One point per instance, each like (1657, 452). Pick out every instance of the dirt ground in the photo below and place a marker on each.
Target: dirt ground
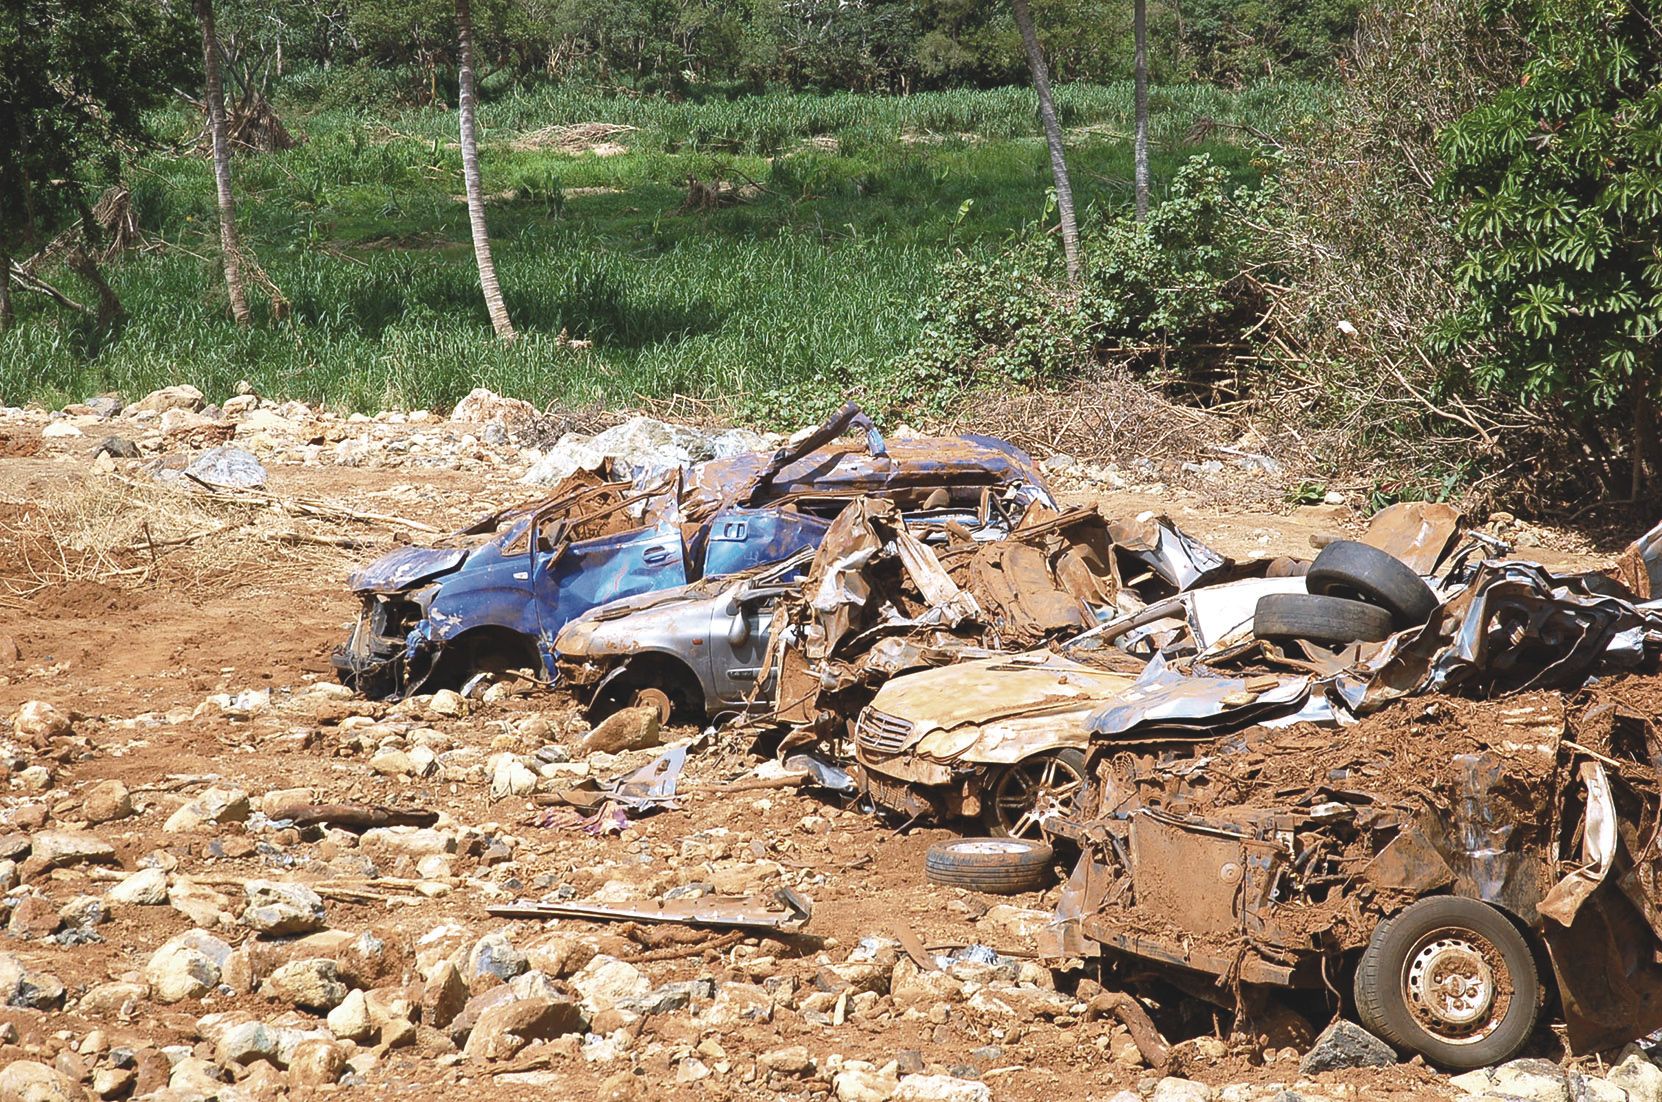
(136, 660)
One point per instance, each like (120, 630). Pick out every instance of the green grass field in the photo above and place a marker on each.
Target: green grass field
(850, 203)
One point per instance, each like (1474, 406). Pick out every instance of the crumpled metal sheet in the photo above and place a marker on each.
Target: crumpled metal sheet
(1417, 532)
(1640, 566)
(1514, 627)
(1166, 697)
(1170, 552)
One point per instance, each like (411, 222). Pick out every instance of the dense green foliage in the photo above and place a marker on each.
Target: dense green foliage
(850, 205)
(75, 79)
(1559, 184)
(700, 47)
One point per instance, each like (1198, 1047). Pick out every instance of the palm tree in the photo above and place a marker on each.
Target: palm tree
(1139, 97)
(214, 93)
(1053, 138)
(470, 175)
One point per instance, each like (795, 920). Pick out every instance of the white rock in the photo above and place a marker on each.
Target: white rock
(60, 430)
(350, 1020)
(1638, 1076)
(183, 396)
(281, 907)
(186, 967)
(31, 1081)
(511, 777)
(37, 721)
(215, 805)
(1173, 1089)
(863, 1085)
(941, 1088)
(605, 982)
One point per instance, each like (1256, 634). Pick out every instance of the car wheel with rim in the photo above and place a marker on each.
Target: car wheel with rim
(1017, 796)
(1451, 979)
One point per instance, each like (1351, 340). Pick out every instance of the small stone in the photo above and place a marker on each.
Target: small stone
(186, 967)
(214, 806)
(245, 1043)
(112, 1001)
(282, 907)
(58, 849)
(84, 912)
(1346, 1045)
(1636, 1074)
(625, 729)
(312, 984)
(792, 1060)
(105, 802)
(1173, 1089)
(145, 888)
(31, 1081)
(37, 722)
(27, 989)
(605, 982)
(228, 467)
(183, 396)
(504, 1029)
(368, 959)
(493, 959)
(350, 1020)
(941, 1088)
(116, 447)
(443, 995)
(863, 1085)
(316, 1063)
(33, 916)
(113, 1082)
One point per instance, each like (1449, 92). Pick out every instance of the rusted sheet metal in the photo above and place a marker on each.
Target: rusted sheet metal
(1419, 533)
(790, 911)
(1640, 566)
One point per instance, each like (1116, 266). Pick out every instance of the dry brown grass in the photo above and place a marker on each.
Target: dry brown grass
(130, 533)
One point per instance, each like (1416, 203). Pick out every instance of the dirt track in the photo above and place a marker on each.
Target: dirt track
(135, 660)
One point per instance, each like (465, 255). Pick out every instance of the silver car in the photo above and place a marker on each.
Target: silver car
(696, 650)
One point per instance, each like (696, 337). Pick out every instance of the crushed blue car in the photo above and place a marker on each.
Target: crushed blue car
(493, 596)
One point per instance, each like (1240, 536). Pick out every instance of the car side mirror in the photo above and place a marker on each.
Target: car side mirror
(738, 631)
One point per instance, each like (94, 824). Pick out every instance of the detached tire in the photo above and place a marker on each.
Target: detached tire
(1451, 979)
(1346, 568)
(1001, 866)
(1333, 621)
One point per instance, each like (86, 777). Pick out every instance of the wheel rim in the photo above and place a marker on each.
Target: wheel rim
(1027, 791)
(1456, 985)
(652, 698)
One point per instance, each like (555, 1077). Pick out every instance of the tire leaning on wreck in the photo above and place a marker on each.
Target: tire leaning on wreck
(1346, 568)
(1451, 979)
(1332, 621)
(1000, 866)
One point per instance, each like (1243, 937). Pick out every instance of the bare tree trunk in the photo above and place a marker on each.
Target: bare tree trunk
(214, 93)
(1053, 138)
(1644, 438)
(1139, 95)
(470, 175)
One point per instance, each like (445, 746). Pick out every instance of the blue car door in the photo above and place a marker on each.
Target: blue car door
(575, 577)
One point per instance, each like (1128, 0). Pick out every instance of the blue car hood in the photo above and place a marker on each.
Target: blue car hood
(405, 567)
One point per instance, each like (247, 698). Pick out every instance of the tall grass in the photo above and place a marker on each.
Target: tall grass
(816, 275)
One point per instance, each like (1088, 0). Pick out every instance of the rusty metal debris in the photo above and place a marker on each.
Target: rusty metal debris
(791, 911)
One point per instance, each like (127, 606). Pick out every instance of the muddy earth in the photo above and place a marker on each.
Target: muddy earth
(170, 932)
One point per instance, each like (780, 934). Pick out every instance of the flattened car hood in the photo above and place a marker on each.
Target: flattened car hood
(403, 568)
(994, 688)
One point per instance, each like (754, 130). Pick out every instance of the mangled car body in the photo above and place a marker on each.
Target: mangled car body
(1455, 861)
(495, 595)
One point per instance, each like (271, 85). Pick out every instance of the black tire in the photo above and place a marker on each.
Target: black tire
(1333, 621)
(1487, 1021)
(1346, 568)
(1056, 776)
(1002, 866)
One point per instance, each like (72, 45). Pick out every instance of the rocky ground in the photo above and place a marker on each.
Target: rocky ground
(167, 713)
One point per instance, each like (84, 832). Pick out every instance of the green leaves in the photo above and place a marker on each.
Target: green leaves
(1558, 184)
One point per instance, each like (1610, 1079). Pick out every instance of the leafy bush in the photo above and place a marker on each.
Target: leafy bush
(1153, 294)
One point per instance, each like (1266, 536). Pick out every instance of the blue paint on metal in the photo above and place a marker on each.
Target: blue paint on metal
(403, 568)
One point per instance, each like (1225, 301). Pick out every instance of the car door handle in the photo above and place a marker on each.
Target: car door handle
(744, 674)
(656, 555)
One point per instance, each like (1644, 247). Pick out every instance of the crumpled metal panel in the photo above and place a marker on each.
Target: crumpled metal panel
(405, 567)
(1417, 532)
(1640, 567)
(1167, 697)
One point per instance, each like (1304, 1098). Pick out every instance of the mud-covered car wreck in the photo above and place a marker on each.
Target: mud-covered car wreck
(493, 596)
(1463, 863)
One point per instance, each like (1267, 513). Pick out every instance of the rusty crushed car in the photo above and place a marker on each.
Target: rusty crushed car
(1428, 835)
(493, 596)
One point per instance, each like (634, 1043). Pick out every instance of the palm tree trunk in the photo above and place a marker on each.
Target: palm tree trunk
(470, 175)
(214, 93)
(1139, 95)
(1053, 138)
